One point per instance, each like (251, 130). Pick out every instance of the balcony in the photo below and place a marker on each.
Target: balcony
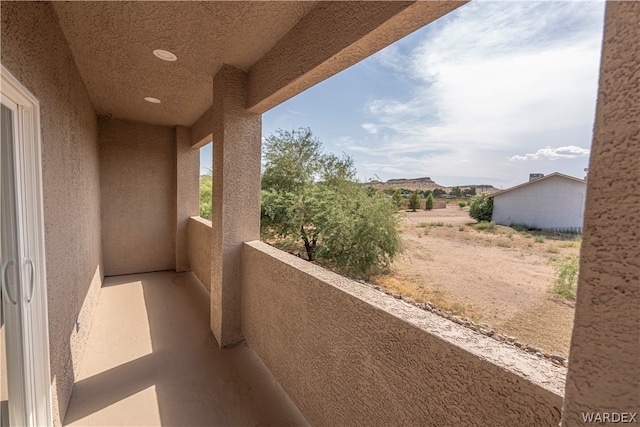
(120, 185)
(151, 359)
(342, 351)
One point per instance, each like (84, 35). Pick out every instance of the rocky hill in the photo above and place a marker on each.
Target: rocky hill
(425, 183)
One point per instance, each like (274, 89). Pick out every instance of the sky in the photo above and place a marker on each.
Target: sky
(484, 95)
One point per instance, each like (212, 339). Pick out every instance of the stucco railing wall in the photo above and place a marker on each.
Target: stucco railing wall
(347, 354)
(199, 236)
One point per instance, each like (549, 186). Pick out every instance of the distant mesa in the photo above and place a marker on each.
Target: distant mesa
(425, 183)
(404, 180)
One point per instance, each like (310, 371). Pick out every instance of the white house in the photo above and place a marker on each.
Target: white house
(552, 202)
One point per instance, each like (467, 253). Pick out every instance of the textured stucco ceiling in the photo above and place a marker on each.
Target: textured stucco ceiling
(112, 44)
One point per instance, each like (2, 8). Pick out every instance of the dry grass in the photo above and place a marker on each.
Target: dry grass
(408, 287)
(498, 275)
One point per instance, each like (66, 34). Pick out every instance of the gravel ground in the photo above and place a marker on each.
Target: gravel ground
(500, 277)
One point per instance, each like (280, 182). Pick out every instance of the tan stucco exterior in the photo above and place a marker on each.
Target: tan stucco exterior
(137, 184)
(237, 138)
(347, 354)
(604, 360)
(34, 50)
(200, 249)
(187, 193)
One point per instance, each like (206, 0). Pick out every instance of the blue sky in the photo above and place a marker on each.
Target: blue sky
(484, 95)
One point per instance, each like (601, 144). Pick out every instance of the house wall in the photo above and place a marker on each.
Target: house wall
(35, 51)
(137, 177)
(347, 354)
(200, 249)
(554, 203)
(604, 368)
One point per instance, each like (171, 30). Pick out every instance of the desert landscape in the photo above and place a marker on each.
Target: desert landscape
(425, 183)
(498, 277)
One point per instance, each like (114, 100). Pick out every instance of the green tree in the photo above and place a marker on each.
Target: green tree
(414, 200)
(291, 159)
(398, 200)
(341, 225)
(206, 191)
(481, 207)
(439, 192)
(455, 191)
(471, 191)
(462, 205)
(428, 204)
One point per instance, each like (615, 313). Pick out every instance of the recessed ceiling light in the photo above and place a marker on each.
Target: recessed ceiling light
(165, 55)
(152, 100)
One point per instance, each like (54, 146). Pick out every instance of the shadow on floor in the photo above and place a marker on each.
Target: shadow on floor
(151, 359)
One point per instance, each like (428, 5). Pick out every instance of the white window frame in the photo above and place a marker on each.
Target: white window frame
(29, 203)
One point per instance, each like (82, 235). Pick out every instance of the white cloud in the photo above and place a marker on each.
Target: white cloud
(343, 141)
(568, 152)
(489, 80)
(370, 127)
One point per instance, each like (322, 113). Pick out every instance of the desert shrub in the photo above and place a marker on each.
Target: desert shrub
(503, 244)
(461, 228)
(569, 245)
(485, 225)
(481, 207)
(431, 224)
(458, 308)
(553, 249)
(539, 239)
(565, 284)
(462, 205)
(397, 199)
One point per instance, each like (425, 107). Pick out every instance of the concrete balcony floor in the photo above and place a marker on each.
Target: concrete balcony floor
(151, 359)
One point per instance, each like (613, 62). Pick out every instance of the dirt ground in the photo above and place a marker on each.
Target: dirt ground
(500, 277)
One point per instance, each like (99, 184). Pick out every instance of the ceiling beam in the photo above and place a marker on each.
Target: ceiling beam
(202, 129)
(330, 38)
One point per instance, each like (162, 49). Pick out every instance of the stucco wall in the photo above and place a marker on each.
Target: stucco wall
(555, 203)
(187, 193)
(35, 52)
(200, 249)
(604, 361)
(137, 177)
(347, 354)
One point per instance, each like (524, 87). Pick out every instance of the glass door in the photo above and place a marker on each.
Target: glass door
(12, 398)
(25, 379)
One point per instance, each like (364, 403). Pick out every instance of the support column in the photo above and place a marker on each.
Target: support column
(604, 361)
(187, 193)
(236, 198)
